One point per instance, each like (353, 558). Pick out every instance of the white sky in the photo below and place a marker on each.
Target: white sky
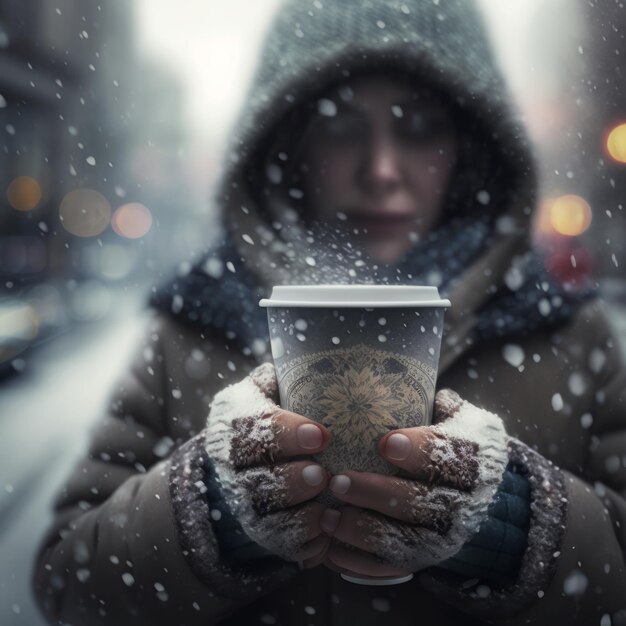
(212, 48)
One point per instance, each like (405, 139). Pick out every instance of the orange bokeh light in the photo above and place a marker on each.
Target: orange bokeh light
(616, 143)
(132, 220)
(24, 193)
(85, 212)
(570, 215)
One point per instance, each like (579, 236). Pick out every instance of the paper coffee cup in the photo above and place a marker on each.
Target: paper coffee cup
(361, 360)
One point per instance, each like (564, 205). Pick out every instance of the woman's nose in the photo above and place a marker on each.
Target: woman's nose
(382, 166)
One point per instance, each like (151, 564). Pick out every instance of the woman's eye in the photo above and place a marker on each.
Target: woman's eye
(342, 128)
(422, 127)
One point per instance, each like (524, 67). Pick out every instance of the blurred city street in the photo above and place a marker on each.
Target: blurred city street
(46, 414)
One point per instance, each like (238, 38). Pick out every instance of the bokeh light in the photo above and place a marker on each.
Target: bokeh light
(115, 262)
(19, 326)
(24, 193)
(616, 143)
(570, 215)
(132, 220)
(85, 212)
(48, 302)
(90, 301)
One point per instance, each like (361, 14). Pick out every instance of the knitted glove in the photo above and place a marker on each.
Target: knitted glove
(242, 440)
(494, 554)
(500, 599)
(425, 514)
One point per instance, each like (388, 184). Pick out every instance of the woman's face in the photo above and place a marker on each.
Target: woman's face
(377, 159)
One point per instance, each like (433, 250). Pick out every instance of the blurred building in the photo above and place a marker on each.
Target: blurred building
(580, 96)
(605, 140)
(60, 78)
(90, 165)
(161, 169)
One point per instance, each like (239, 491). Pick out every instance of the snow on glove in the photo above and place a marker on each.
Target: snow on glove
(424, 514)
(249, 439)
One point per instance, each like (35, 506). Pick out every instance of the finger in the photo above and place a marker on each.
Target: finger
(275, 436)
(431, 457)
(283, 486)
(298, 435)
(354, 528)
(359, 562)
(405, 500)
(330, 565)
(389, 495)
(314, 552)
(302, 521)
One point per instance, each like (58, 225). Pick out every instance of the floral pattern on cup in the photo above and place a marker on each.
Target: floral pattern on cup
(359, 393)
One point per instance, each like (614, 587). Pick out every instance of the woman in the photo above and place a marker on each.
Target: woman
(377, 144)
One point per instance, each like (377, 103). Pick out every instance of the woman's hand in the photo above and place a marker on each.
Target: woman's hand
(392, 525)
(257, 449)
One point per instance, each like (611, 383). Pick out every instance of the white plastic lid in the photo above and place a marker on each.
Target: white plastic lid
(361, 296)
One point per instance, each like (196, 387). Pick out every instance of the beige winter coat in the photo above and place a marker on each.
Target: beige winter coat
(113, 554)
(119, 551)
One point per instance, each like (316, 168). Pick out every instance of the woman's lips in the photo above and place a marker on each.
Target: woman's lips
(380, 224)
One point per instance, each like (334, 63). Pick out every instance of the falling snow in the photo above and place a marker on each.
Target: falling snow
(575, 584)
(327, 107)
(586, 420)
(214, 267)
(483, 197)
(513, 354)
(577, 384)
(557, 402)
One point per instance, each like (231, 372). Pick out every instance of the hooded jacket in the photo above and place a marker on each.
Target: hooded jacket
(132, 538)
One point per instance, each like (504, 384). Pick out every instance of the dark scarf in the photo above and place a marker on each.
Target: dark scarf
(220, 294)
